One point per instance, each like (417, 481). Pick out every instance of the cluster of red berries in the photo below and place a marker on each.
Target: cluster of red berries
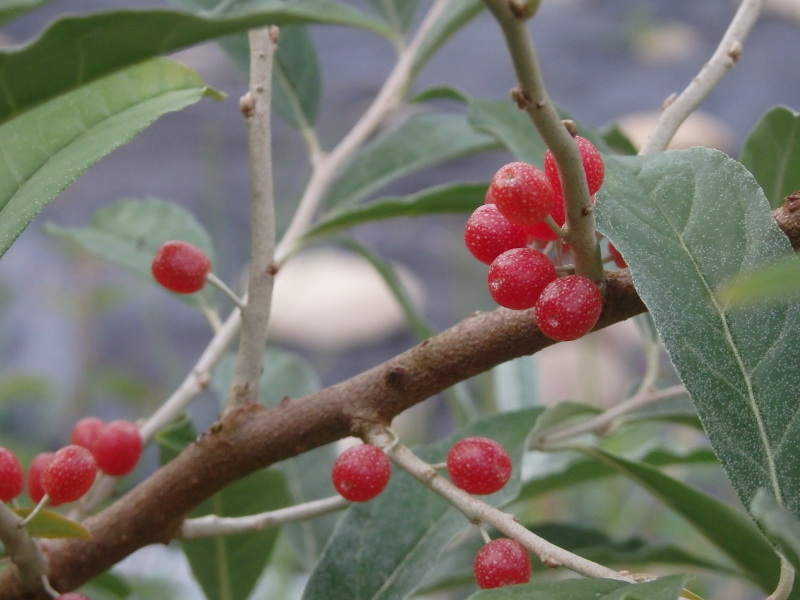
(66, 475)
(477, 465)
(181, 267)
(500, 232)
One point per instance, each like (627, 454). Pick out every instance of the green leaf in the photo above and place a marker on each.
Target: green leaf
(398, 14)
(46, 149)
(11, 9)
(130, 232)
(74, 51)
(665, 588)
(772, 153)
(779, 525)
(687, 222)
(731, 531)
(449, 198)
(456, 15)
(420, 141)
(229, 566)
(52, 525)
(383, 548)
(772, 284)
(515, 383)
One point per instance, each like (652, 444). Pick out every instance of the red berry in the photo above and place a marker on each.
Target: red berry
(592, 166)
(522, 193)
(488, 234)
(117, 448)
(362, 472)
(518, 276)
(618, 260)
(541, 231)
(478, 465)
(39, 463)
(501, 562)
(85, 432)
(70, 474)
(71, 596)
(11, 475)
(181, 267)
(568, 308)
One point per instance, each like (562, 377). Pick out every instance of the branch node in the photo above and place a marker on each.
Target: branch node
(247, 105)
(571, 126)
(520, 98)
(735, 51)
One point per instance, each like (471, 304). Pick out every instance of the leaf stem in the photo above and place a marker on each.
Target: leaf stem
(722, 60)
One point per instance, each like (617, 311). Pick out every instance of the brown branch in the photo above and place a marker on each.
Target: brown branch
(252, 437)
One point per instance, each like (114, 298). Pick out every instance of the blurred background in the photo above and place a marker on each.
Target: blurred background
(79, 336)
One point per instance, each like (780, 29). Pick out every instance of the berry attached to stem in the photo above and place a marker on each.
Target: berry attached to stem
(592, 165)
(11, 475)
(117, 448)
(488, 234)
(568, 308)
(70, 474)
(35, 490)
(522, 193)
(360, 473)
(478, 465)
(181, 267)
(518, 276)
(85, 432)
(501, 562)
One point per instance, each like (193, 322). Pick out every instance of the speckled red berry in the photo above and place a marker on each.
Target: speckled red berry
(568, 308)
(592, 165)
(478, 465)
(522, 193)
(542, 231)
(71, 596)
(616, 256)
(518, 276)
(488, 234)
(85, 431)
(12, 477)
(39, 463)
(117, 448)
(361, 472)
(181, 267)
(70, 474)
(501, 562)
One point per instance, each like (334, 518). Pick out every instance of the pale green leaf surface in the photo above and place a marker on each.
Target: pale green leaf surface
(456, 15)
(775, 283)
(420, 141)
(47, 148)
(515, 383)
(383, 548)
(687, 222)
(731, 531)
(130, 232)
(780, 526)
(55, 63)
(772, 153)
(398, 14)
(665, 588)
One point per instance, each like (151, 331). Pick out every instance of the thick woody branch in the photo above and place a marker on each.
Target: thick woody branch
(252, 437)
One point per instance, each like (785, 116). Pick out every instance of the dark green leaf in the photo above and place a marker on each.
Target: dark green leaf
(383, 548)
(130, 232)
(665, 588)
(77, 50)
(50, 524)
(11, 9)
(46, 149)
(731, 531)
(687, 222)
(451, 198)
(456, 15)
(772, 153)
(108, 585)
(420, 141)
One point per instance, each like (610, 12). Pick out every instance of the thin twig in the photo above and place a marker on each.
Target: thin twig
(724, 58)
(785, 581)
(388, 100)
(531, 96)
(212, 525)
(257, 108)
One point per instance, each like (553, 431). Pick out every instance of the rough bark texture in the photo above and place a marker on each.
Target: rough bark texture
(252, 437)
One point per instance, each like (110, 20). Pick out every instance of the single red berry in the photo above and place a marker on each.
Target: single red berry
(478, 465)
(501, 562)
(39, 463)
(12, 477)
(518, 276)
(181, 267)
(592, 166)
(85, 431)
(362, 472)
(71, 596)
(70, 474)
(568, 308)
(488, 234)
(618, 260)
(522, 193)
(117, 448)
